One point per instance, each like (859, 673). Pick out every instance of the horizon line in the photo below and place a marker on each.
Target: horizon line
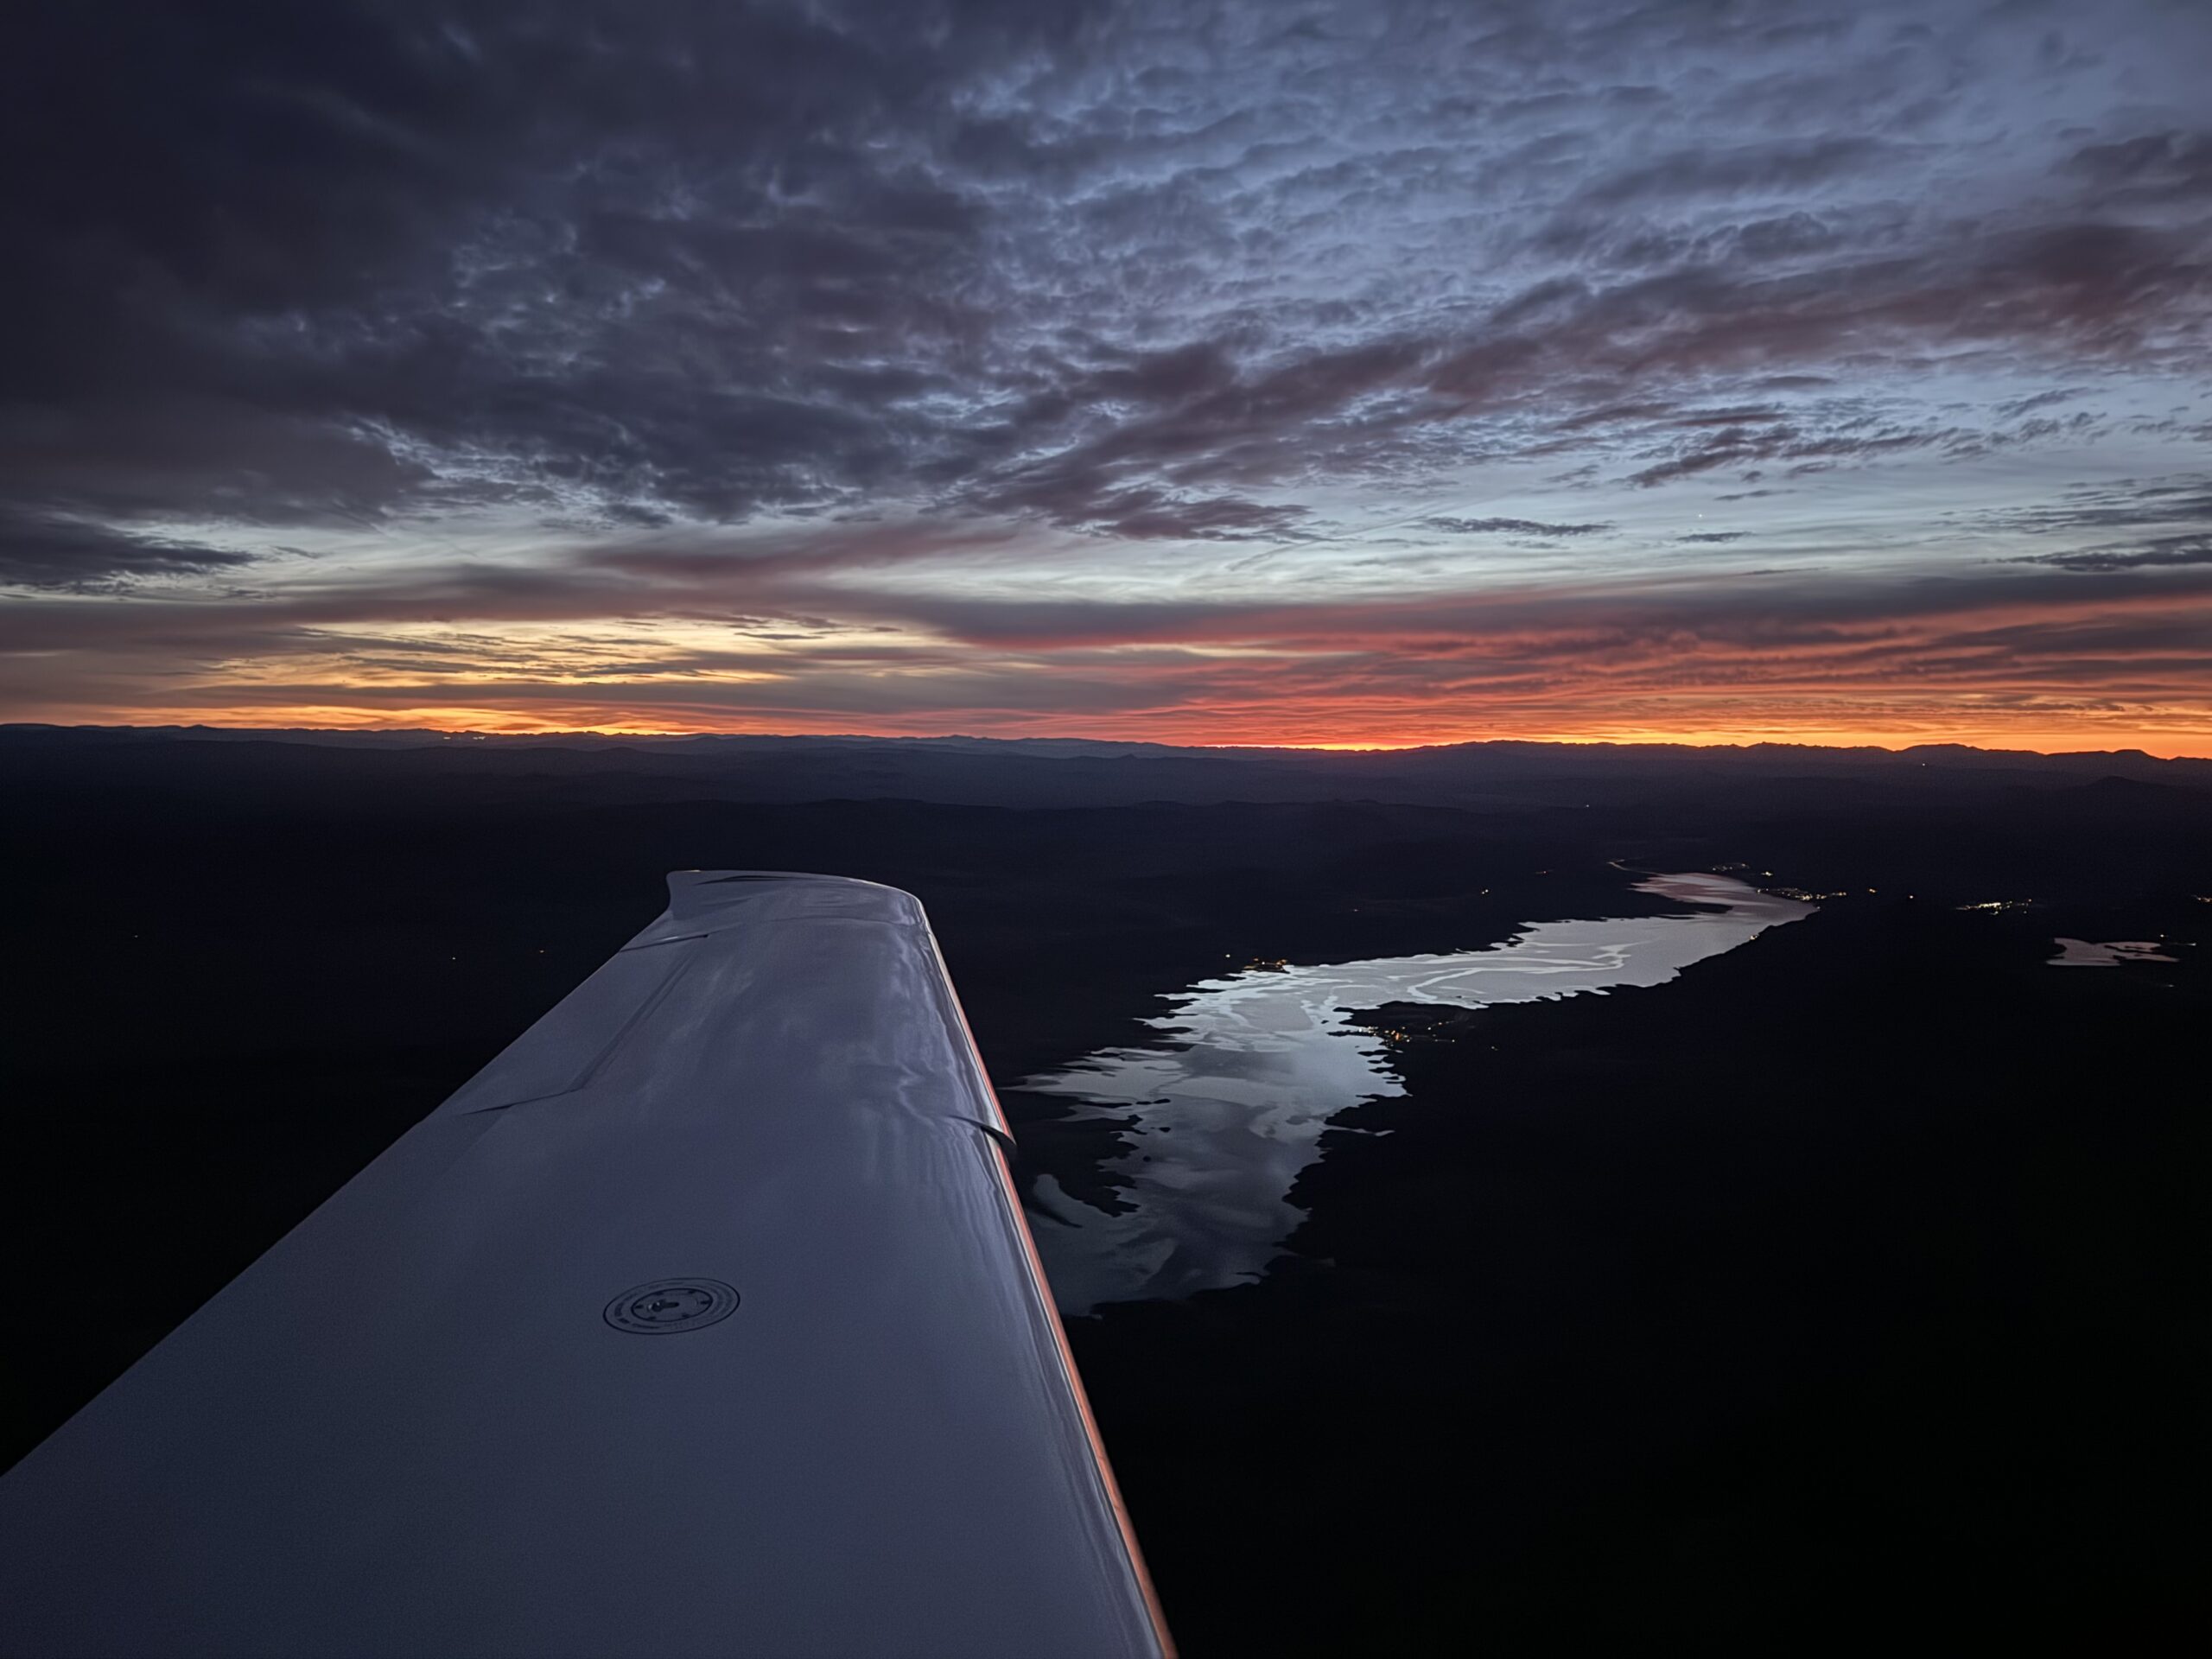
(555, 735)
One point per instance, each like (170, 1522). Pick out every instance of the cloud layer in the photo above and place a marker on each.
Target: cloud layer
(1243, 372)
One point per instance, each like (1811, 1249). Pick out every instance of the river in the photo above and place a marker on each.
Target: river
(1230, 1099)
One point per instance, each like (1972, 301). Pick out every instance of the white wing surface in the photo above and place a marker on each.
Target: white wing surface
(703, 1320)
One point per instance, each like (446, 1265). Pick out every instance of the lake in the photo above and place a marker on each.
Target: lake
(1230, 1100)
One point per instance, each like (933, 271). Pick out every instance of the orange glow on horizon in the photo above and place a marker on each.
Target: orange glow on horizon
(1184, 728)
(2108, 666)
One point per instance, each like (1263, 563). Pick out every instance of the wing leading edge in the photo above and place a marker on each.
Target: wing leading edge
(703, 1320)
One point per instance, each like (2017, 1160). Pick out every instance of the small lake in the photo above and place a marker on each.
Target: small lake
(2084, 953)
(1230, 1099)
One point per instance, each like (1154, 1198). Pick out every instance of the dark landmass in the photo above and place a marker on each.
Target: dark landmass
(477, 771)
(1850, 1287)
(1850, 1290)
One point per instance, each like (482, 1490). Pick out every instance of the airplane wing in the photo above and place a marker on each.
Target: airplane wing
(703, 1320)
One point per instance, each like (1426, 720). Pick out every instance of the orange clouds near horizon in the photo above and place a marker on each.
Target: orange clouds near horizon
(2043, 660)
(1184, 729)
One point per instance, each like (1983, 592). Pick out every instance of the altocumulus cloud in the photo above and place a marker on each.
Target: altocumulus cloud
(1374, 370)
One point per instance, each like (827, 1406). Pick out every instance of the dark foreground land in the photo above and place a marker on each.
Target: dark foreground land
(1850, 1288)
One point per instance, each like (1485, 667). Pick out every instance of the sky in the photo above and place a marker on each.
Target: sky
(1254, 372)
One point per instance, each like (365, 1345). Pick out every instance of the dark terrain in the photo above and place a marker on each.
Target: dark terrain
(1851, 1288)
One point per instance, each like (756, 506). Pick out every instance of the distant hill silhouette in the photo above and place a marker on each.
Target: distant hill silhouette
(1029, 772)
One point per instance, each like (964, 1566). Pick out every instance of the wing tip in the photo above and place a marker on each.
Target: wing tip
(695, 894)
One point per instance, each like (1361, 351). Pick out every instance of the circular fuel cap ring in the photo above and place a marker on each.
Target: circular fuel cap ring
(668, 1306)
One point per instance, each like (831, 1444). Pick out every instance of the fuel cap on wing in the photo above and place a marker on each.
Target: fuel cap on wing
(666, 1306)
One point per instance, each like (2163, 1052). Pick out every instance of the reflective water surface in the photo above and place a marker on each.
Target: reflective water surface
(2085, 953)
(1231, 1098)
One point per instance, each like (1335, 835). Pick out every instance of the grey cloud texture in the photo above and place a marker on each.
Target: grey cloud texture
(2163, 552)
(1451, 526)
(42, 551)
(500, 306)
